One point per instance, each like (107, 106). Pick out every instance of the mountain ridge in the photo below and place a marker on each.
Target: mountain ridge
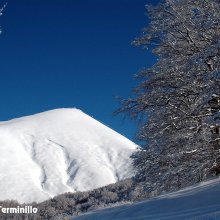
(57, 151)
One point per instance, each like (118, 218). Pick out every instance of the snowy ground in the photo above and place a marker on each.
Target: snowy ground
(59, 151)
(201, 202)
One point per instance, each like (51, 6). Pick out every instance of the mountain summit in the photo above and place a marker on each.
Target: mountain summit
(62, 150)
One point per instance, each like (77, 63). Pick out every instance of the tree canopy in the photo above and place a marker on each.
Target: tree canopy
(178, 98)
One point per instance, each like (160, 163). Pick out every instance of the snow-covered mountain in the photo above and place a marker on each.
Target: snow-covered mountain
(59, 151)
(200, 202)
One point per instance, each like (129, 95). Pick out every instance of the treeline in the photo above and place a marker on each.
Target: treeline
(72, 204)
(68, 205)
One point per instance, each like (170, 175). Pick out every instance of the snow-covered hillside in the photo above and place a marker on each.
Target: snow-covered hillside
(59, 151)
(200, 202)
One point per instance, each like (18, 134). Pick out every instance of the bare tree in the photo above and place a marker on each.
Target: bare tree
(1, 13)
(177, 100)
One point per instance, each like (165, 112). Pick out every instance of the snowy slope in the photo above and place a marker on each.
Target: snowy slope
(59, 151)
(201, 202)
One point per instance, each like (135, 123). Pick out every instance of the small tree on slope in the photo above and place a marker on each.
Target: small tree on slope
(177, 100)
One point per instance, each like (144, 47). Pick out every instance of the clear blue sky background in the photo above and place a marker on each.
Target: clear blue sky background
(70, 53)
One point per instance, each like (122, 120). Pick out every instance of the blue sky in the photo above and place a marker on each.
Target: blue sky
(71, 53)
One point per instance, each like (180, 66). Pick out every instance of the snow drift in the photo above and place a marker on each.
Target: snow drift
(200, 202)
(59, 151)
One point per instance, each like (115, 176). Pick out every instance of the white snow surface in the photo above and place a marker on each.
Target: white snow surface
(199, 202)
(57, 151)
